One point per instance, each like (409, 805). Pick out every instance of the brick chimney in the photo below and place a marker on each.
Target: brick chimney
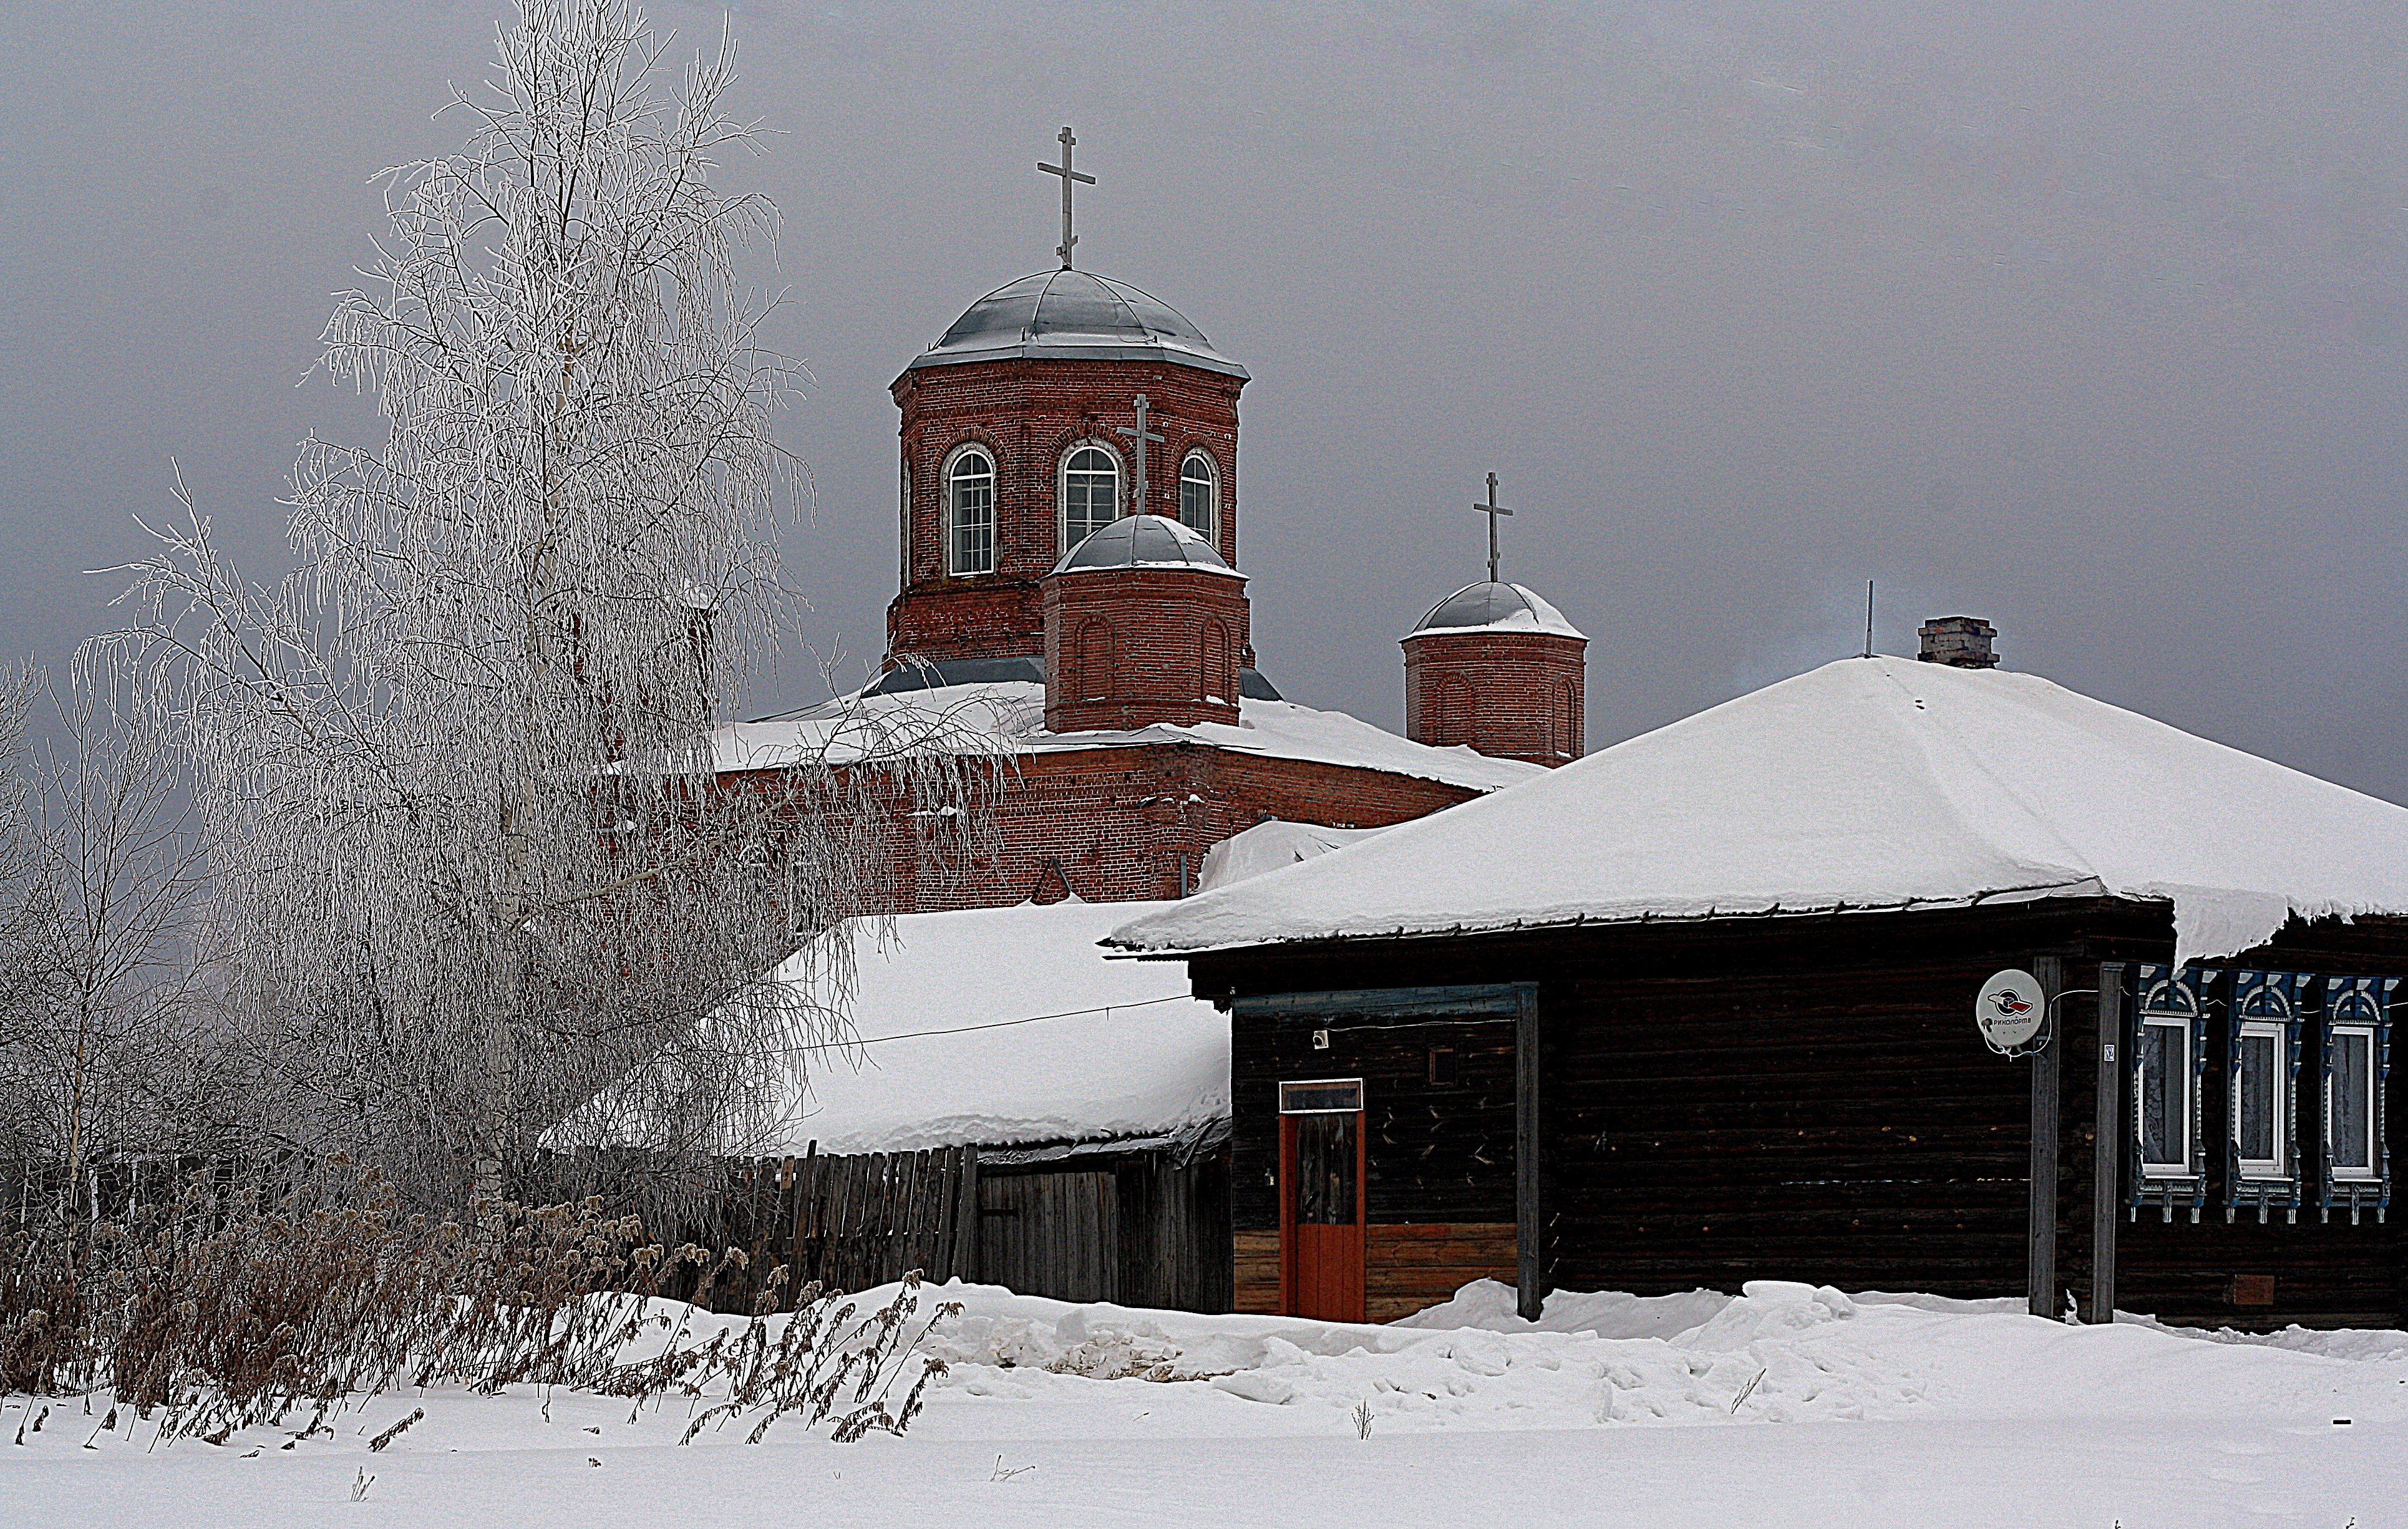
(1961, 642)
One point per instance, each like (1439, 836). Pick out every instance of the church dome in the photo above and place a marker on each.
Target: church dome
(1496, 607)
(1074, 316)
(1143, 541)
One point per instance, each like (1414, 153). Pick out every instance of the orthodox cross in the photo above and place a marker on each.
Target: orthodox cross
(1070, 178)
(1138, 437)
(1492, 509)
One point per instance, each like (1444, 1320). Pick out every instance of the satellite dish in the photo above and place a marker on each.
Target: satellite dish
(2011, 1009)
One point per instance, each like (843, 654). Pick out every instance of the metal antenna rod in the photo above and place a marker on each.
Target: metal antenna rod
(1869, 618)
(1070, 178)
(1492, 509)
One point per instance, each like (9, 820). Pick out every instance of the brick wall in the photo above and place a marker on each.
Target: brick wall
(1028, 414)
(1122, 824)
(1510, 694)
(1126, 648)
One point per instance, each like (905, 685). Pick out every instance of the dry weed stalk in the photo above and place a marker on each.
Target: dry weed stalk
(234, 1307)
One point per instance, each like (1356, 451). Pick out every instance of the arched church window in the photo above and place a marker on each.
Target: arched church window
(1199, 496)
(1091, 493)
(1567, 721)
(970, 512)
(903, 520)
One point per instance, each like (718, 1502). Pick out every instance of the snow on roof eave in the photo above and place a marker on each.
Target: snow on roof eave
(1179, 565)
(1096, 348)
(1267, 729)
(1520, 622)
(1117, 948)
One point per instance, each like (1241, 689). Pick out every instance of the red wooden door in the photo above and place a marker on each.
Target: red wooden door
(1322, 1215)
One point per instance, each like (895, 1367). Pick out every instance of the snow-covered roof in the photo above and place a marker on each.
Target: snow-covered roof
(1273, 844)
(1074, 316)
(1144, 541)
(1494, 607)
(1867, 784)
(1007, 1025)
(1008, 717)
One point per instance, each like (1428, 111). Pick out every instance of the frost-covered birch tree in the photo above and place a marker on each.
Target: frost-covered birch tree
(456, 771)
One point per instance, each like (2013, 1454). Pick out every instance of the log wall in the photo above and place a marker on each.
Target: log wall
(1804, 1098)
(1439, 1157)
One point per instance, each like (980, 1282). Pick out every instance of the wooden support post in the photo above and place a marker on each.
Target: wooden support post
(2106, 1174)
(2040, 1239)
(1527, 1227)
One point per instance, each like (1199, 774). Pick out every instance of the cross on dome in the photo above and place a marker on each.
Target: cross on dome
(1071, 178)
(1492, 509)
(1139, 438)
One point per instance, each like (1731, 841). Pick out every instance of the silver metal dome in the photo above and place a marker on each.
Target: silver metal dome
(1486, 607)
(1143, 541)
(1074, 315)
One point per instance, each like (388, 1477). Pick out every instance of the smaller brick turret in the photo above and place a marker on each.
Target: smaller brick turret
(1497, 667)
(1145, 623)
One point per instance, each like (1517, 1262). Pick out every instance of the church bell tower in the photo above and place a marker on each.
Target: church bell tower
(1054, 406)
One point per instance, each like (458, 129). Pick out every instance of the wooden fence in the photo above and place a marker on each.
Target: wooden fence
(857, 1221)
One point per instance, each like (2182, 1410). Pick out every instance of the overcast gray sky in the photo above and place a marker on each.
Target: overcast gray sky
(2086, 317)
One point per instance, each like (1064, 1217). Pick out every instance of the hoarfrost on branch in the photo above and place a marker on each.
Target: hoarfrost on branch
(473, 865)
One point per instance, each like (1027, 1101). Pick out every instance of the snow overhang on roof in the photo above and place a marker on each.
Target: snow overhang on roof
(1073, 316)
(1868, 784)
(1494, 607)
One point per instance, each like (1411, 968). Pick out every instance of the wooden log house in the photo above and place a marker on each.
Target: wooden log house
(1701, 1009)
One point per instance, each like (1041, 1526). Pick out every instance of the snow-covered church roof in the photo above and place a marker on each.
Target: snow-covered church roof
(1144, 541)
(1496, 607)
(1007, 1025)
(1867, 784)
(1007, 716)
(1073, 316)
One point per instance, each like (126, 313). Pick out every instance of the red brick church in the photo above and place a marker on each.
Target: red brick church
(1072, 578)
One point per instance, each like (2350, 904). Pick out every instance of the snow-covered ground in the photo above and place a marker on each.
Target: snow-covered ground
(1784, 1405)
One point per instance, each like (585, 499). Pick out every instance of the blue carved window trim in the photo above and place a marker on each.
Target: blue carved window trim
(2354, 1007)
(2263, 1014)
(2174, 1006)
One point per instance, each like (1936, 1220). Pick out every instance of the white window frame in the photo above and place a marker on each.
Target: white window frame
(2276, 1033)
(1062, 536)
(1211, 529)
(2186, 1074)
(945, 487)
(904, 518)
(2371, 1172)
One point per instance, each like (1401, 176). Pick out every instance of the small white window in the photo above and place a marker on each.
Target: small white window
(2260, 1125)
(970, 512)
(2161, 1096)
(1199, 496)
(1091, 493)
(2349, 1102)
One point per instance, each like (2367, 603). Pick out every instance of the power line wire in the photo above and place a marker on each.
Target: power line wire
(992, 1024)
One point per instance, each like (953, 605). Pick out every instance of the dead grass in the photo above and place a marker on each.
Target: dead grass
(233, 1307)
